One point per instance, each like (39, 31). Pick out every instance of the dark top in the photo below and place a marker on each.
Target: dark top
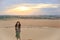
(17, 27)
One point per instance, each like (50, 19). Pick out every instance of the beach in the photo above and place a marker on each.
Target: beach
(31, 29)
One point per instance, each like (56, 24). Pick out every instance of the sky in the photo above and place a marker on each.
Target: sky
(29, 7)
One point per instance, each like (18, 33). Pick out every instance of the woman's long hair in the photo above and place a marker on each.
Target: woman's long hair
(18, 22)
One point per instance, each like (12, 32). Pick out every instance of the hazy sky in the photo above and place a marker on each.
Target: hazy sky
(30, 7)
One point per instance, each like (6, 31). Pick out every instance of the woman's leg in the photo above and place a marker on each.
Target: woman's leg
(18, 35)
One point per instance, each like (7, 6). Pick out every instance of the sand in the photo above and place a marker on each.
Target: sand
(31, 29)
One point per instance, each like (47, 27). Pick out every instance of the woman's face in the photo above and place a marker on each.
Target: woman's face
(17, 23)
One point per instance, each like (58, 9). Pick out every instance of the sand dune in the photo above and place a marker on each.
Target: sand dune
(31, 29)
(32, 22)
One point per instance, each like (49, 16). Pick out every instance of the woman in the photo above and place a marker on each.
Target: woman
(18, 29)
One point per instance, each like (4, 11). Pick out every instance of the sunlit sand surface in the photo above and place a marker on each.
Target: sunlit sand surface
(31, 29)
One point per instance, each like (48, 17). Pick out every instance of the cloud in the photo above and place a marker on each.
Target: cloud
(42, 5)
(39, 5)
(47, 6)
(37, 9)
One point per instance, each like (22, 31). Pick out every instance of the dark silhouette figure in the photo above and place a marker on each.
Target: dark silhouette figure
(18, 30)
